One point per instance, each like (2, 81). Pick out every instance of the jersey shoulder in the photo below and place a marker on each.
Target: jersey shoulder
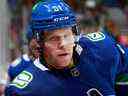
(27, 75)
(95, 36)
(18, 60)
(26, 81)
(96, 39)
(97, 44)
(18, 66)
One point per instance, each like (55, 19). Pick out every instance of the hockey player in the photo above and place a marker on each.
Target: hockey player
(87, 67)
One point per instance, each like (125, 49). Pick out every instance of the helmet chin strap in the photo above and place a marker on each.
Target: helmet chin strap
(37, 35)
(76, 30)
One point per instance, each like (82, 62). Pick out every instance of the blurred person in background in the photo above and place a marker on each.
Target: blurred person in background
(22, 62)
(115, 20)
(116, 23)
(20, 11)
(2, 86)
(92, 17)
(91, 24)
(123, 39)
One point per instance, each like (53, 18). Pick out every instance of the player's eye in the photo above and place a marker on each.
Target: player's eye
(54, 38)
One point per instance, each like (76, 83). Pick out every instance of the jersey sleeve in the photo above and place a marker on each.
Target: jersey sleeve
(18, 86)
(13, 67)
(104, 58)
(18, 66)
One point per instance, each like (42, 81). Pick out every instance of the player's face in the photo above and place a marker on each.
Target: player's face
(58, 47)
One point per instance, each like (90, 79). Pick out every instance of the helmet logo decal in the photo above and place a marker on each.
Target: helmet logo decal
(53, 8)
(61, 19)
(56, 8)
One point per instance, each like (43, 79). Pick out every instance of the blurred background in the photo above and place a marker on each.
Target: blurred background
(92, 15)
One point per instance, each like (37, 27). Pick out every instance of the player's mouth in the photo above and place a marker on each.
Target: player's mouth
(63, 54)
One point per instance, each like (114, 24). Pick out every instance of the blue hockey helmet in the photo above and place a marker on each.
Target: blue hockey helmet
(52, 14)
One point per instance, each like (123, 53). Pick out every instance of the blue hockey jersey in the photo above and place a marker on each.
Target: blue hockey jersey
(18, 66)
(98, 64)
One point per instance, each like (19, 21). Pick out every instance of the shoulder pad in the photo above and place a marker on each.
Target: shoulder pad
(95, 36)
(22, 80)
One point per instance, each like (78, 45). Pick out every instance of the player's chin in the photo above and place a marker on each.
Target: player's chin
(64, 63)
(61, 66)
